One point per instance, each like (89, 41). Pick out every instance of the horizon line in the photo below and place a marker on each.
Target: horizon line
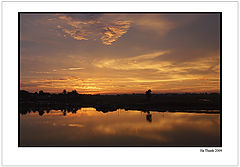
(124, 93)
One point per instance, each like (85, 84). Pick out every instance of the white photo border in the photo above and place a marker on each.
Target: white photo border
(14, 155)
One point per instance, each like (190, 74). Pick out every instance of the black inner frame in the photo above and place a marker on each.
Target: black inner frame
(220, 35)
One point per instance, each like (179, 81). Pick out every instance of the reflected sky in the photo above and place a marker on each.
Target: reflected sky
(88, 127)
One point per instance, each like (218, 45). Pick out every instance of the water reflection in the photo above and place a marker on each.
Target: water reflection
(89, 127)
(149, 117)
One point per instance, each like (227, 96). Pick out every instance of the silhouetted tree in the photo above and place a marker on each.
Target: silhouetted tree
(40, 92)
(148, 93)
(74, 92)
(64, 92)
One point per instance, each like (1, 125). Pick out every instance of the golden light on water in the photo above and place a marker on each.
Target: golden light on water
(90, 127)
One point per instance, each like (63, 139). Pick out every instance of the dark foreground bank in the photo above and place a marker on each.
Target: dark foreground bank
(72, 101)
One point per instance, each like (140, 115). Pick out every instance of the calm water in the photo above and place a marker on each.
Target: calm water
(88, 127)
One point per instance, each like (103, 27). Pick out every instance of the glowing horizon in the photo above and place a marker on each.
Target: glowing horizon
(120, 53)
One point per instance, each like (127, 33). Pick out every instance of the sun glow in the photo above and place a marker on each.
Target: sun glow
(114, 54)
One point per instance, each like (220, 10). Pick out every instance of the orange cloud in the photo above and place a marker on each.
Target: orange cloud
(108, 31)
(115, 31)
(132, 63)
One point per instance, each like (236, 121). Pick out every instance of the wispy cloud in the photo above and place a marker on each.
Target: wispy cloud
(74, 68)
(56, 70)
(120, 53)
(106, 30)
(153, 61)
(149, 68)
(44, 72)
(114, 31)
(144, 61)
(154, 23)
(76, 125)
(109, 29)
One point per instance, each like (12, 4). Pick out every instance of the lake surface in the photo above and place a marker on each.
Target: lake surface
(88, 127)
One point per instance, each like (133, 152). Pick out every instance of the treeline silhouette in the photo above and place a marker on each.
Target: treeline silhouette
(72, 101)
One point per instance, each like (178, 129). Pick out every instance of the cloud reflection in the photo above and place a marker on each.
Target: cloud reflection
(121, 128)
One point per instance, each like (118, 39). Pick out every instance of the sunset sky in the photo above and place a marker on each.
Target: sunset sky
(120, 53)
